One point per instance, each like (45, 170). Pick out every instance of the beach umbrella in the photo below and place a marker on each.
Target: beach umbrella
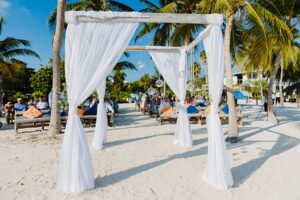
(239, 95)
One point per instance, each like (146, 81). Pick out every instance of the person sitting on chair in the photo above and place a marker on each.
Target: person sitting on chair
(9, 111)
(93, 107)
(42, 105)
(109, 109)
(19, 106)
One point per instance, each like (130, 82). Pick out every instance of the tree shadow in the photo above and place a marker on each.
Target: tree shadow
(125, 174)
(242, 172)
(126, 141)
(120, 142)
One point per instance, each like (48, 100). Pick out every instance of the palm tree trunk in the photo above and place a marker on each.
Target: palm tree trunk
(271, 115)
(281, 86)
(1, 93)
(232, 126)
(261, 88)
(55, 121)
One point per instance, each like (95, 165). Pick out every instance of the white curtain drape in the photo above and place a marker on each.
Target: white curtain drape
(101, 124)
(92, 50)
(172, 66)
(217, 172)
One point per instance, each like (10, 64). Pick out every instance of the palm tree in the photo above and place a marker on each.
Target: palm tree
(55, 120)
(10, 48)
(146, 81)
(289, 12)
(283, 51)
(124, 65)
(170, 34)
(241, 20)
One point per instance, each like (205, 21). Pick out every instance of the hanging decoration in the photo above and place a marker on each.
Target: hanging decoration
(159, 83)
(151, 90)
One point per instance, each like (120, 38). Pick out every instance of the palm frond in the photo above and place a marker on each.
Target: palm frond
(123, 65)
(20, 52)
(169, 8)
(6, 68)
(1, 23)
(117, 6)
(215, 6)
(149, 4)
(184, 33)
(145, 30)
(52, 18)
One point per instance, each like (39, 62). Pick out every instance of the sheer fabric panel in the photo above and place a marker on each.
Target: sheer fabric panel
(100, 134)
(172, 66)
(217, 172)
(91, 51)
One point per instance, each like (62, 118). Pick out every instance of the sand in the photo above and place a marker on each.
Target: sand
(140, 161)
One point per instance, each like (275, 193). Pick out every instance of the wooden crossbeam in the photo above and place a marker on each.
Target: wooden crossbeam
(216, 19)
(198, 39)
(152, 48)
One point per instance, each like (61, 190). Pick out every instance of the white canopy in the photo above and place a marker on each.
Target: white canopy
(93, 47)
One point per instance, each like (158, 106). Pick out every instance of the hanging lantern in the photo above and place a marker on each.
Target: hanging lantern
(141, 64)
(159, 83)
(151, 90)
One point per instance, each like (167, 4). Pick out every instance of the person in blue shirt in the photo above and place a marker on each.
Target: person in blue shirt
(19, 106)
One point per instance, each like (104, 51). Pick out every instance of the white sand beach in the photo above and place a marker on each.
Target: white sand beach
(140, 161)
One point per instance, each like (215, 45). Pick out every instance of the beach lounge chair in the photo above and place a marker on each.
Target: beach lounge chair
(197, 117)
(225, 118)
(169, 117)
(22, 122)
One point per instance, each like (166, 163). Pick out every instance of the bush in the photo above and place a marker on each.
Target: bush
(36, 94)
(18, 95)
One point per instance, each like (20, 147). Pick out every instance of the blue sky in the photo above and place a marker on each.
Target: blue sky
(27, 19)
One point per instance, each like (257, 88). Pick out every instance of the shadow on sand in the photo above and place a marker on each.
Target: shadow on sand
(240, 173)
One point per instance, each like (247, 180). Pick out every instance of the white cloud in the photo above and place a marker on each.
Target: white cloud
(4, 6)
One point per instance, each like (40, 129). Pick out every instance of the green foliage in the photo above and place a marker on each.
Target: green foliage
(19, 81)
(64, 102)
(36, 94)
(122, 96)
(18, 95)
(14, 74)
(146, 81)
(42, 79)
(255, 89)
(133, 87)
